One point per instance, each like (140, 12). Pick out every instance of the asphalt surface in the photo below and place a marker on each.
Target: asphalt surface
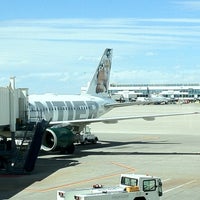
(167, 147)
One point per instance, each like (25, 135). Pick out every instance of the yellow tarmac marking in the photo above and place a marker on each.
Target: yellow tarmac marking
(130, 169)
(124, 166)
(75, 183)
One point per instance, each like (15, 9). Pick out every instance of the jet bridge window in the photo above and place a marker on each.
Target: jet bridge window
(129, 181)
(149, 185)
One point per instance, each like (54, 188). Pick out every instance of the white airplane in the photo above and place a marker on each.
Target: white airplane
(156, 98)
(69, 114)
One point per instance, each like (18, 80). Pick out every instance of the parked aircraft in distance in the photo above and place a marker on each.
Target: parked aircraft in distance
(156, 98)
(69, 114)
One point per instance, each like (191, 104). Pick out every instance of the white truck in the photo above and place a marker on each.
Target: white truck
(86, 137)
(132, 187)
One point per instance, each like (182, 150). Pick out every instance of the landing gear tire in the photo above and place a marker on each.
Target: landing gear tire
(70, 149)
(3, 164)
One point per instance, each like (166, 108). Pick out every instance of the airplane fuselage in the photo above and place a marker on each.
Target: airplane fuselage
(66, 107)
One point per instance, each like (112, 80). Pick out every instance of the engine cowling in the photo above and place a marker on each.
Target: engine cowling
(61, 139)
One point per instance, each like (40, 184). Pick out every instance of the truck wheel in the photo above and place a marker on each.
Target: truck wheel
(140, 198)
(85, 141)
(95, 140)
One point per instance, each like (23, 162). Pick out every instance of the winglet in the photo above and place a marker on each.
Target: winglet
(100, 81)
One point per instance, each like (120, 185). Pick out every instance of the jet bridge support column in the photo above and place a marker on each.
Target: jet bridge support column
(12, 110)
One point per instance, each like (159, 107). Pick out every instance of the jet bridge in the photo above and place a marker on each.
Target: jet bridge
(13, 107)
(21, 157)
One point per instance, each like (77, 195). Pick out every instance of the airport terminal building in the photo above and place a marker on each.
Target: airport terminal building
(189, 92)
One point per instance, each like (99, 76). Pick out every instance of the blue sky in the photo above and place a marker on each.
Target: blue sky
(55, 45)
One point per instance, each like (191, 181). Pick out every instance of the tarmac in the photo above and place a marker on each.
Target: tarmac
(167, 147)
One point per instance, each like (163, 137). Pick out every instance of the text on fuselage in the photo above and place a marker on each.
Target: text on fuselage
(64, 110)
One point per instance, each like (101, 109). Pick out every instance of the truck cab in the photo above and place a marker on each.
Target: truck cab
(147, 185)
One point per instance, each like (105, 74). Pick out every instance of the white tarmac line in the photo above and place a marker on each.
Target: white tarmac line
(179, 186)
(168, 179)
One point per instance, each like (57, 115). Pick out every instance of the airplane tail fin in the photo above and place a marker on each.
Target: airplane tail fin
(100, 81)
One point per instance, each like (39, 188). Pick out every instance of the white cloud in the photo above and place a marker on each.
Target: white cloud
(121, 30)
(189, 5)
(150, 53)
(89, 58)
(155, 76)
(65, 52)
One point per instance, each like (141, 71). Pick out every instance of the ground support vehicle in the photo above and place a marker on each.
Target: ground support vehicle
(132, 187)
(86, 137)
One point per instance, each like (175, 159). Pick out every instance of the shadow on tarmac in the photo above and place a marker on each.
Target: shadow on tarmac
(48, 163)
(10, 185)
(82, 149)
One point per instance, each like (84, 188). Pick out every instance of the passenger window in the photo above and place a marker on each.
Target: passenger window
(149, 185)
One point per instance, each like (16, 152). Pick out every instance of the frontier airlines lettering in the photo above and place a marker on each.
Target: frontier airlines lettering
(63, 110)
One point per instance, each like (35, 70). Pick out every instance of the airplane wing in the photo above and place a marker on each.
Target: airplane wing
(112, 120)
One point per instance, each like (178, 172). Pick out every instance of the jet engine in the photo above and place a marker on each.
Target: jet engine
(58, 138)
